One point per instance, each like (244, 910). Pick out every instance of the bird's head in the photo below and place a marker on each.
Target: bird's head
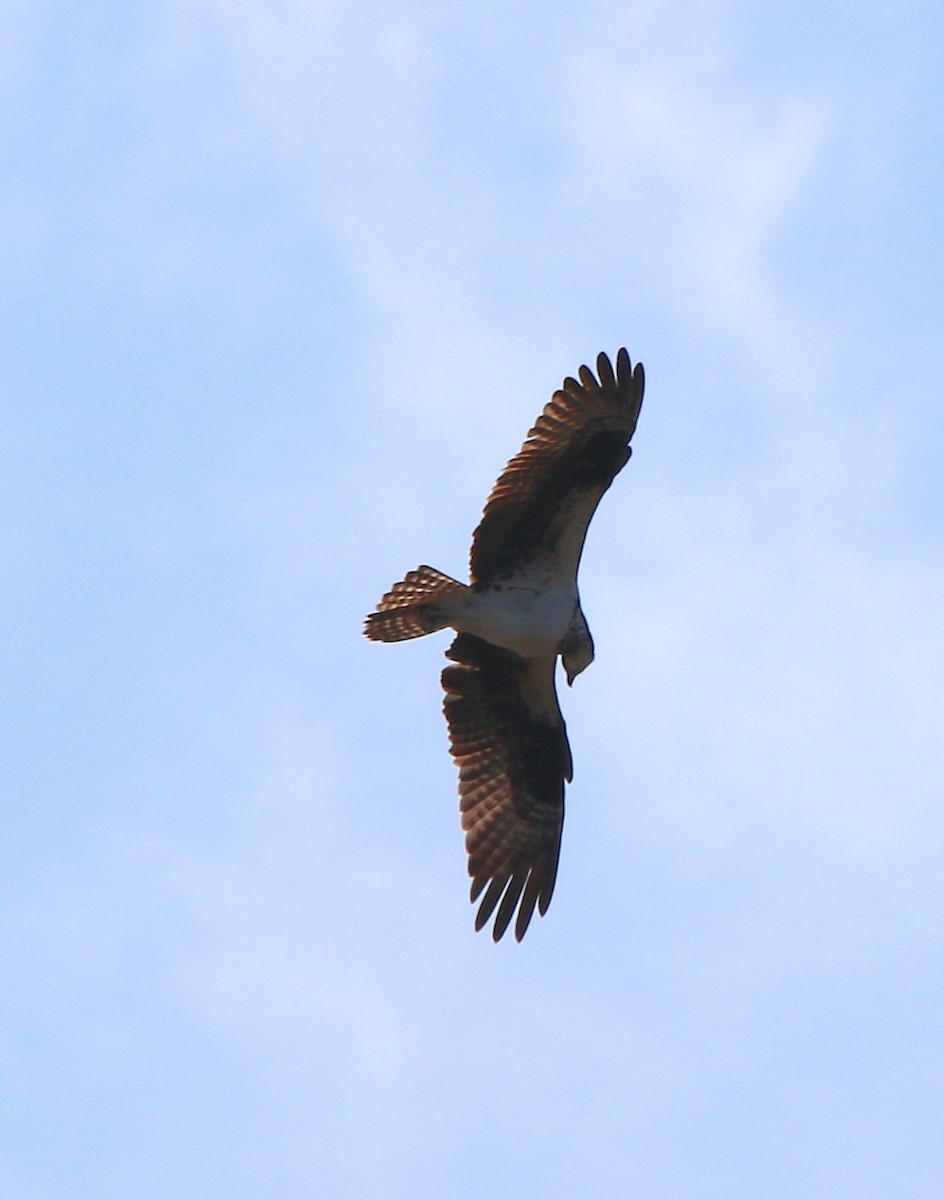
(576, 653)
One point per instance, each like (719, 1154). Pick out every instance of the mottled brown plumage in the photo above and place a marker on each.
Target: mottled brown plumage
(508, 740)
(546, 495)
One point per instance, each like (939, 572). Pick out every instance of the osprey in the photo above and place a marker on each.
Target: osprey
(520, 610)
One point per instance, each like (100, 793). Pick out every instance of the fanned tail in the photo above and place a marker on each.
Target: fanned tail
(422, 602)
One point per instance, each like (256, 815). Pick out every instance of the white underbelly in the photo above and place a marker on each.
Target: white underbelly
(524, 619)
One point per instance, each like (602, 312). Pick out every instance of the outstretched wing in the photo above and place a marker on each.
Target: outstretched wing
(544, 499)
(508, 739)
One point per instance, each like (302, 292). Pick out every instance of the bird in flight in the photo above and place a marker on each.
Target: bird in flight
(519, 611)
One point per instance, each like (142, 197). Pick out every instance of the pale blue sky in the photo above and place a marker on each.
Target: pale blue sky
(283, 287)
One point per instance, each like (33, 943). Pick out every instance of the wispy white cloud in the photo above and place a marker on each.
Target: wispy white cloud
(699, 170)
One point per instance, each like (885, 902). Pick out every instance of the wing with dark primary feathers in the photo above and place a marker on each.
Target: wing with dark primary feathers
(508, 739)
(544, 499)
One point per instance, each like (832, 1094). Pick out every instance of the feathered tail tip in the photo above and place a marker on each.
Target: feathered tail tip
(418, 604)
